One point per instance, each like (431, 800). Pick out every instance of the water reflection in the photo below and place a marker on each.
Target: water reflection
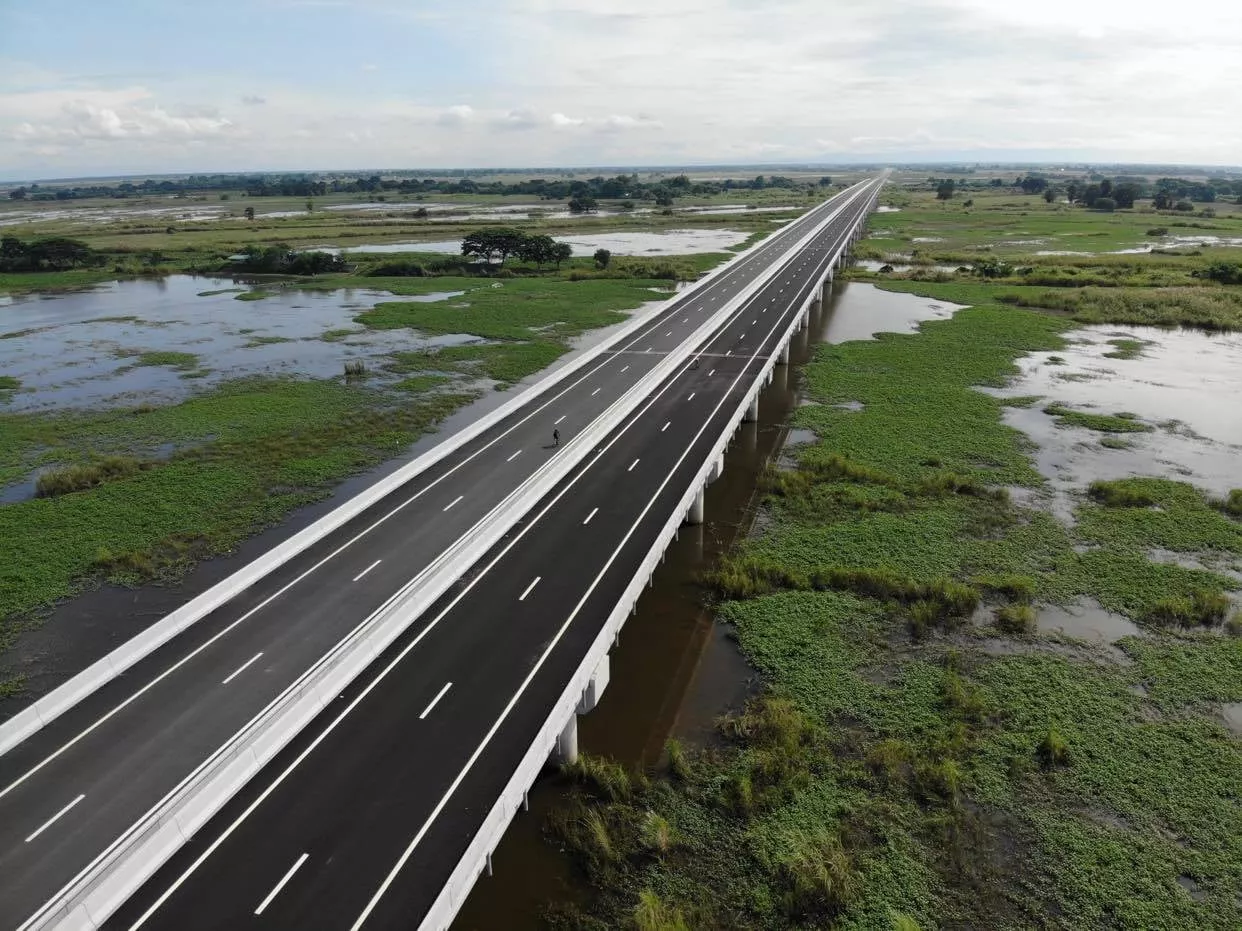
(78, 349)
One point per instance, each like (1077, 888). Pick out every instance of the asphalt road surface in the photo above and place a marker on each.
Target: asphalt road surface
(361, 820)
(73, 787)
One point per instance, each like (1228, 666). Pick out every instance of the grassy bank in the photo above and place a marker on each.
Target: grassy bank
(921, 756)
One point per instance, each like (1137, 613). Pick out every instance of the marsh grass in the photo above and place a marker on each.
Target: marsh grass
(70, 479)
(1103, 423)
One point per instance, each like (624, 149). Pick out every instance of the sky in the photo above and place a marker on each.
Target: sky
(94, 88)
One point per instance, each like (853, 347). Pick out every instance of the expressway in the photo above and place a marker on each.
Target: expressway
(359, 822)
(77, 784)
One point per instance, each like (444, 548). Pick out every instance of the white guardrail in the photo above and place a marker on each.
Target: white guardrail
(485, 841)
(100, 888)
(65, 696)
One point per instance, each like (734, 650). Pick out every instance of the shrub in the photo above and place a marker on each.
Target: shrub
(887, 760)
(1120, 494)
(1016, 619)
(1210, 608)
(355, 370)
(655, 833)
(1233, 504)
(1169, 612)
(74, 478)
(398, 270)
(1233, 626)
(652, 914)
(1053, 750)
(1020, 588)
(903, 922)
(678, 763)
(963, 697)
(605, 778)
(818, 875)
(939, 779)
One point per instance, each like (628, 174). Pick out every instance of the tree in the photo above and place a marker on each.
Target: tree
(1050, 195)
(602, 258)
(12, 249)
(492, 244)
(1125, 194)
(562, 252)
(60, 253)
(1106, 204)
(825, 181)
(18, 193)
(945, 189)
(537, 249)
(583, 204)
(249, 212)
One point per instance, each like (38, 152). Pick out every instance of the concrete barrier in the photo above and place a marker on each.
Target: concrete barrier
(478, 854)
(91, 897)
(37, 715)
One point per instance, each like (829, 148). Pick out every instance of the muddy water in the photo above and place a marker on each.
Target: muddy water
(675, 670)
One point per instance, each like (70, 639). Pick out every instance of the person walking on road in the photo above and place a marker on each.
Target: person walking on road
(556, 437)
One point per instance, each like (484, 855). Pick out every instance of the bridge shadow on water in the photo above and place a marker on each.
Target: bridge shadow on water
(675, 670)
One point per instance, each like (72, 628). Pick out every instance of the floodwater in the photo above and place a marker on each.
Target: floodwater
(1084, 619)
(669, 242)
(1185, 385)
(77, 349)
(675, 670)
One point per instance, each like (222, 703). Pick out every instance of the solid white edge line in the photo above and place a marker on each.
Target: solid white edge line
(323, 735)
(280, 885)
(242, 668)
(435, 701)
(589, 516)
(359, 576)
(529, 588)
(52, 820)
(453, 502)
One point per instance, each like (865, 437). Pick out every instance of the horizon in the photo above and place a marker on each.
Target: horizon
(572, 82)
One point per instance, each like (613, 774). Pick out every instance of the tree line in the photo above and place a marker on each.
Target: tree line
(56, 254)
(661, 191)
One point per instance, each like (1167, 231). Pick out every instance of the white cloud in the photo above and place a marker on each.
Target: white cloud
(455, 115)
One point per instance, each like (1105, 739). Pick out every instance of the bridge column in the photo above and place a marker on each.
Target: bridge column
(752, 412)
(784, 360)
(567, 743)
(697, 508)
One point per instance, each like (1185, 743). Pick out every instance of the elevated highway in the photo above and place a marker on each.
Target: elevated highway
(341, 741)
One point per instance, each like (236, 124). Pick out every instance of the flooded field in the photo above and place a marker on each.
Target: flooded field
(676, 670)
(159, 341)
(670, 242)
(1183, 386)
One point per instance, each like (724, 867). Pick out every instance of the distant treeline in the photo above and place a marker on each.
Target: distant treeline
(620, 187)
(1122, 191)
